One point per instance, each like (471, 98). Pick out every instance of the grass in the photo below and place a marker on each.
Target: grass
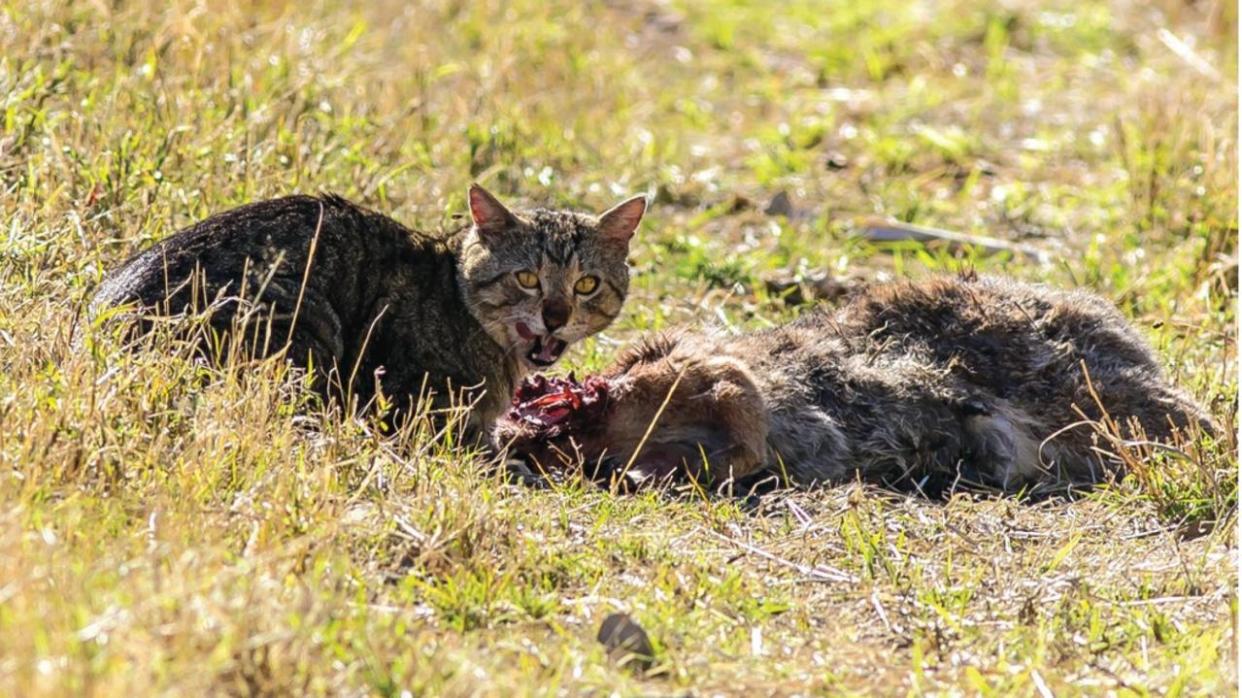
(172, 529)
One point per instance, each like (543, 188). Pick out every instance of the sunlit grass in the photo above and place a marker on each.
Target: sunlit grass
(167, 527)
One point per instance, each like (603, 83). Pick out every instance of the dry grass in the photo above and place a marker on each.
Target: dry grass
(173, 529)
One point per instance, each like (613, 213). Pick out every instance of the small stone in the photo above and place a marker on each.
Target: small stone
(626, 641)
(780, 205)
(740, 203)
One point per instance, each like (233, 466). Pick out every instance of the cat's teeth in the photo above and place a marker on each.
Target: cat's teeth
(547, 350)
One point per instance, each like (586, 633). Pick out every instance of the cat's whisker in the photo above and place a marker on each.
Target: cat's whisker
(291, 254)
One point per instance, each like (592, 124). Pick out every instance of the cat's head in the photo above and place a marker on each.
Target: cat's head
(540, 280)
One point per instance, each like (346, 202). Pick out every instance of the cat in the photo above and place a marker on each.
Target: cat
(956, 379)
(367, 303)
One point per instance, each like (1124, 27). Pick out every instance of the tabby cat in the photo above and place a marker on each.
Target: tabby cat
(912, 384)
(367, 303)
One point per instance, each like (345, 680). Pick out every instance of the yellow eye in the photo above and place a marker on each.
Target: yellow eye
(528, 279)
(586, 285)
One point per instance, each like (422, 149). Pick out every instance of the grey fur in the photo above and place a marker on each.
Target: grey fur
(910, 384)
(384, 305)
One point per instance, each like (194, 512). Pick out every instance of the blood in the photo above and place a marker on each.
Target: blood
(551, 407)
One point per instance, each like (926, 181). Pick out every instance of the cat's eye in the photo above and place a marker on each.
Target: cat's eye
(527, 279)
(586, 284)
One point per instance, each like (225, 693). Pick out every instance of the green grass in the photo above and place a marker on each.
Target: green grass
(168, 528)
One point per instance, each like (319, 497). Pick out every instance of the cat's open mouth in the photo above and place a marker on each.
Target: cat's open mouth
(545, 349)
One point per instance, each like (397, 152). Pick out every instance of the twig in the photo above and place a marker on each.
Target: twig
(1157, 600)
(819, 573)
(804, 519)
(1183, 51)
(877, 230)
(1040, 685)
(879, 609)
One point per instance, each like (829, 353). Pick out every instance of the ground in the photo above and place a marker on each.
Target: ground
(170, 529)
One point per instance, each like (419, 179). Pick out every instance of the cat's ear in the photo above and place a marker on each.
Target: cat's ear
(490, 216)
(620, 221)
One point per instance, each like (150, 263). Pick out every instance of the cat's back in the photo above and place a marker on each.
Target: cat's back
(266, 237)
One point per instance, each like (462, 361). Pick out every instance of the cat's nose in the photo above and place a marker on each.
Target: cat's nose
(555, 314)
